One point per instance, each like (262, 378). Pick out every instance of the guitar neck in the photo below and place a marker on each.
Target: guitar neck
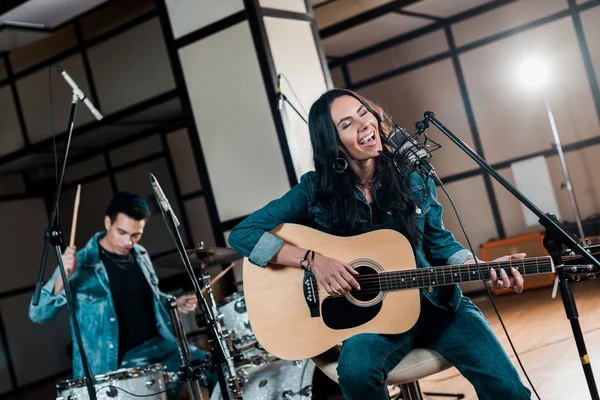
(450, 274)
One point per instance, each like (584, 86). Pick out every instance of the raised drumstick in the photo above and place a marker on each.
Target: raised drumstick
(75, 213)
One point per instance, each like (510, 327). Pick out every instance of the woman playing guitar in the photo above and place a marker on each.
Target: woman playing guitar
(355, 189)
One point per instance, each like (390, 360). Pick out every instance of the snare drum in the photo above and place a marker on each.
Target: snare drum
(148, 381)
(234, 317)
(277, 380)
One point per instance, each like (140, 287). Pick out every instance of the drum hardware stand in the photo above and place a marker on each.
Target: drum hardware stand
(53, 237)
(234, 382)
(555, 239)
(192, 370)
(219, 353)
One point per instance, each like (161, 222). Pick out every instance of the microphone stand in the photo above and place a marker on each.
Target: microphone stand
(53, 236)
(219, 353)
(555, 238)
(281, 98)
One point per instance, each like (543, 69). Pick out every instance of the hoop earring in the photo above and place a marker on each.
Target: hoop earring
(340, 165)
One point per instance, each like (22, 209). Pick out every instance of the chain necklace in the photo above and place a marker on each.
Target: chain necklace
(368, 184)
(123, 262)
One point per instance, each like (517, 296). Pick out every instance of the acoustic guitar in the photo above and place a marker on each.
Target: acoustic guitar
(294, 318)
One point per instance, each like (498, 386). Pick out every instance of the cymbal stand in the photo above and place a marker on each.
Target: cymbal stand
(235, 381)
(192, 370)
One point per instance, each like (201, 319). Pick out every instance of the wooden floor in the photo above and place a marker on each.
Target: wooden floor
(540, 332)
(543, 338)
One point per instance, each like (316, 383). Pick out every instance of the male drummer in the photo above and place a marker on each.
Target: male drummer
(119, 307)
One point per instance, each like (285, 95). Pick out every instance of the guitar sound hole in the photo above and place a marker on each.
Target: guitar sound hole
(369, 284)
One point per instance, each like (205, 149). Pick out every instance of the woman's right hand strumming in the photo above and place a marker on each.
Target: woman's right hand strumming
(335, 276)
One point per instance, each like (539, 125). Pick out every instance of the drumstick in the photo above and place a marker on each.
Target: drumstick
(216, 278)
(75, 212)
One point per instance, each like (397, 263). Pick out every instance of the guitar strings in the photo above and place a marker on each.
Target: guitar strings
(373, 284)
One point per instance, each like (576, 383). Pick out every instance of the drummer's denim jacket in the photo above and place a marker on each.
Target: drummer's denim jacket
(437, 245)
(94, 307)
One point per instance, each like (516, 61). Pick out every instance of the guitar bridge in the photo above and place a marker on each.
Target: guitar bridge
(311, 293)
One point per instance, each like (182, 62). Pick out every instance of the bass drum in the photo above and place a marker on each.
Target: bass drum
(148, 382)
(277, 380)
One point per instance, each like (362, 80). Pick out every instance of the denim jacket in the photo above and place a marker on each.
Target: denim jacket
(94, 307)
(437, 245)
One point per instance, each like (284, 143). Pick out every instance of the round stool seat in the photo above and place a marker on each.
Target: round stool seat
(417, 364)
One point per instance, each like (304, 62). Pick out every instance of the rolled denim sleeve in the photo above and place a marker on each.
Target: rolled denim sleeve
(252, 238)
(50, 303)
(439, 244)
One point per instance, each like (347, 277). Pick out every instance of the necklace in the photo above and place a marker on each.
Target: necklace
(368, 184)
(122, 262)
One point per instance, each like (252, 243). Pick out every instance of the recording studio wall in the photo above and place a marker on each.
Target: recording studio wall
(131, 74)
(468, 75)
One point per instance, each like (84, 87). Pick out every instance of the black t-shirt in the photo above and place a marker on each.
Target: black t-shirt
(132, 299)
(376, 218)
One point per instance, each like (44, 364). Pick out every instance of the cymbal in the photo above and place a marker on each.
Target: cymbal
(210, 255)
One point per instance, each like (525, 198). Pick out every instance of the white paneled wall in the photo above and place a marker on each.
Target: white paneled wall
(189, 15)
(304, 74)
(235, 124)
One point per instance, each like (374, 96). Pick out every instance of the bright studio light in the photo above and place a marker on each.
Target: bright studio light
(534, 73)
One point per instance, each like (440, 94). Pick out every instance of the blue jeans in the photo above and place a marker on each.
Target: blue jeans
(464, 338)
(159, 350)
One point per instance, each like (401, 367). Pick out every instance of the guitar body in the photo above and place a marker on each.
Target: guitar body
(278, 298)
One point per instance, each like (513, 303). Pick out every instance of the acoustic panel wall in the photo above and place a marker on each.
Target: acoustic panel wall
(190, 15)
(21, 242)
(82, 169)
(11, 138)
(94, 199)
(471, 201)
(433, 88)
(136, 150)
(38, 351)
(199, 222)
(298, 6)
(156, 237)
(398, 56)
(502, 18)
(183, 161)
(337, 77)
(36, 107)
(234, 121)
(591, 31)
(131, 67)
(303, 83)
(112, 15)
(12, 184)
(5, 384)
(43, 49)
(512, 119)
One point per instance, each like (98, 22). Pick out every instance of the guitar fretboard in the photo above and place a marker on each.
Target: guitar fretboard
(449, 274)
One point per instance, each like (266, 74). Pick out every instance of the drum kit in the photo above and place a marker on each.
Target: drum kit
(251, 372)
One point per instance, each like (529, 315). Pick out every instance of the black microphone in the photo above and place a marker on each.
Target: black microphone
(78, 92)
(163, 202)
(411, 152)
(279, 94)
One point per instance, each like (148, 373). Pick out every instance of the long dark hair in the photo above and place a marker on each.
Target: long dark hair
(336, 190)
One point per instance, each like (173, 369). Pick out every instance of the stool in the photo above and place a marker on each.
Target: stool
(418, 364)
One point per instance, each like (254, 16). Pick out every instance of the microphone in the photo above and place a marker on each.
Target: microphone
(279, 94)
(78, 92)
(411, 152)
(163, 202)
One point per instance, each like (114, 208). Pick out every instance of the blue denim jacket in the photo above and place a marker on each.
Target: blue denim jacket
(94, 307)
(437, 245)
